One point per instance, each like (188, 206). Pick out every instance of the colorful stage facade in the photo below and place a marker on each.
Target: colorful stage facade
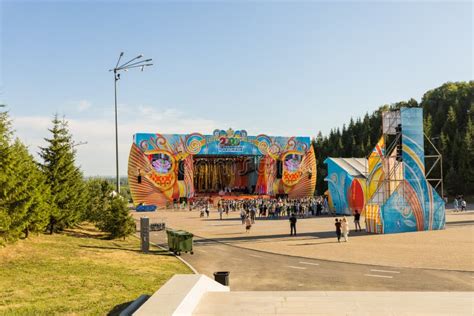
(167, 168)
(346, 184)
(390, 185)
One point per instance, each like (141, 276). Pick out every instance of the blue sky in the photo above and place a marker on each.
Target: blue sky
(267, 67)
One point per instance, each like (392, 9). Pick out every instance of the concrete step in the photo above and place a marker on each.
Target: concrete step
(335, 303)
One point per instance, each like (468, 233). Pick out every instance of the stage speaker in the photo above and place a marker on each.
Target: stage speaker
(181, 170)
(279, 169)
(399, 155)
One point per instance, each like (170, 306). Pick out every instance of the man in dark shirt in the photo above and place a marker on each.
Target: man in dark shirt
(319, 207)
(356, 220)
(292, 224)
(338, 230)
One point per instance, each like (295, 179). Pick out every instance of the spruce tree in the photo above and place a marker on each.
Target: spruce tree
(64, 178)
(19, 198)
(22, 193)
(98, 199)
(6, 173)
(37, 215)
(468, 152)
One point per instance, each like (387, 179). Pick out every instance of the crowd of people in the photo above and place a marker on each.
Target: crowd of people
(275, 208)
(272, 208)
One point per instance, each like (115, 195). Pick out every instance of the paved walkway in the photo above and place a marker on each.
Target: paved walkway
(449, 249)
(252, 270)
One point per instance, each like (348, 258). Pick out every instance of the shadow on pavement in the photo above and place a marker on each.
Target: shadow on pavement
(250, 238)
(317, 243)
(457, 223)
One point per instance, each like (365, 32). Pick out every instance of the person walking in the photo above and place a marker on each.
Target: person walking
(207, 210)
(357, 220)
(338, 230)
(220, 210)
(248, 224)
(325, 205)
(253, 214)
(293, 224)
(456, 204)
(463, 205)
(243, 214)
(345, 229)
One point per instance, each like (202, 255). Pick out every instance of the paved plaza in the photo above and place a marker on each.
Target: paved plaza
(449, 249)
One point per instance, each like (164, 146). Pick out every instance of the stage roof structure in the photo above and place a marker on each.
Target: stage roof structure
(355, 167)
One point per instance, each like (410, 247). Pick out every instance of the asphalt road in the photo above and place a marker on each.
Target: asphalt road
(252, 270)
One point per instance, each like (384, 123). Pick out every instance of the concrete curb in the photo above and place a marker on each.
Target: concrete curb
(178, 257)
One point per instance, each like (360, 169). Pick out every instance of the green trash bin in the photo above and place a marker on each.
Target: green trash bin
(172, 240)
(184, 242)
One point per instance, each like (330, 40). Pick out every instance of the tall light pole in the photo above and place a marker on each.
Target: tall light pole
(132, 63)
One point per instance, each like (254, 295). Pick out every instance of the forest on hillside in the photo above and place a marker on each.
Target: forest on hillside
(448, 113)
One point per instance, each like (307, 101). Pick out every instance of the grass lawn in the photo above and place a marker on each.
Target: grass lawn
(78, 272)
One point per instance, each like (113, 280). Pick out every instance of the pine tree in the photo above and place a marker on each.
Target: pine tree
(468, 152)
(98, 197)
(21, 198)
(450, 125)
(427, 125)
(6, 173)
(64, 178)
(451, 179)
(38, 212)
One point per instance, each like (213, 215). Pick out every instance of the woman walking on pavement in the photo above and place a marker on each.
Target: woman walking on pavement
(345, 229)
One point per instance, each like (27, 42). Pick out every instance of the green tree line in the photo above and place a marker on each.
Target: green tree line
(52, 195)
(448, 113)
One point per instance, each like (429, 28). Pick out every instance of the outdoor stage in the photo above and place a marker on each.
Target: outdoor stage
(163, 169)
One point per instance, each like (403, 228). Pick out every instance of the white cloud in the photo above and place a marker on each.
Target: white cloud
(83, 105)
(97, 157)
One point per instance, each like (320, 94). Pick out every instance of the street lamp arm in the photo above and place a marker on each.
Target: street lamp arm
(139, 66)
(134, 64)
(128, 62)
(118, 61)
